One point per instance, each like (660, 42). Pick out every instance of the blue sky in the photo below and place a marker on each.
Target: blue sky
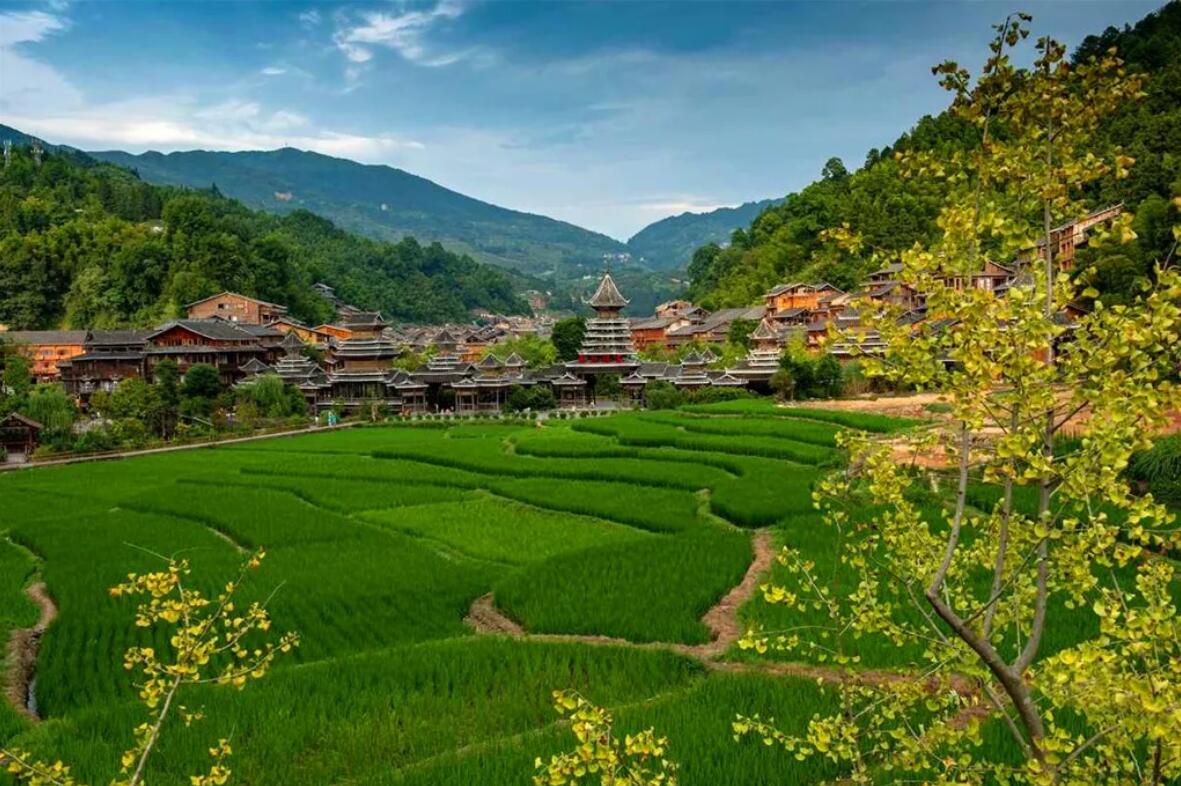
(610, 115)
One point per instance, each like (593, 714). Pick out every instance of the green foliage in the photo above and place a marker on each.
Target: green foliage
(52, 408)
(669, 244)
(1057, 603)
(537, 398)
(201, 381)
(384, 203)
(268, 396)
(90, 245)
(740, 330)
(567, 337)
(16, 381)
(891, 212)
(659, 394)
(804, 375)
(535, 351)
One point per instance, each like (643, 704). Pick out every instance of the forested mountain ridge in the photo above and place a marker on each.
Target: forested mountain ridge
(382, 202)
(88, 244)
(668, 244)
(893, 212)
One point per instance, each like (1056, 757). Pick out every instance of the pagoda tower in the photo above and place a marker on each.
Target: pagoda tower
(607, 345)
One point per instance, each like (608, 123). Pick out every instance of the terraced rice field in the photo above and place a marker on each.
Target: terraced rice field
(630, 527)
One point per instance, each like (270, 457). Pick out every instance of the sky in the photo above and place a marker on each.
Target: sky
(609, 115)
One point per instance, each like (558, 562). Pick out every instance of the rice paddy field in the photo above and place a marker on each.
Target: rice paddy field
(626, 528)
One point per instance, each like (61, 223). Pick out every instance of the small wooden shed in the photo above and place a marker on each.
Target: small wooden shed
(18, 434)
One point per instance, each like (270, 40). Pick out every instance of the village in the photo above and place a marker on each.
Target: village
(348, 366)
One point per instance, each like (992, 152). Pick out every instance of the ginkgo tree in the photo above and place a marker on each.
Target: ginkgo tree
(213, 641)
(976, 587)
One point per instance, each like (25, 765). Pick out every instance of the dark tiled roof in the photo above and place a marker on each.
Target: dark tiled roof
(261, 331)
(117, 338)
(209, 328)
(45, 336)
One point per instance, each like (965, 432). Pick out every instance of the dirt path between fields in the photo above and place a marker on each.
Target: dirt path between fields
(721, 619)
(122, 454)
(22, 653)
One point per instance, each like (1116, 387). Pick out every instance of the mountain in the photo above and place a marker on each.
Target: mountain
(381, 202)
(668, 244)
(891, 212)
(85, 243)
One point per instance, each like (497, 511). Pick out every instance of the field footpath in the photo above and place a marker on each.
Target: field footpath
(22, 652)
(121, 454)
(721, 619)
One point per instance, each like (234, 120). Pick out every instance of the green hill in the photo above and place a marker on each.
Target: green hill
(89, 244)
(892, 212)
(381, 202)
(668, 244)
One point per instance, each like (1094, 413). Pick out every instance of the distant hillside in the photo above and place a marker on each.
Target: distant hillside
(892, 212)
(85, 243)
(669, 244)
(381, 202)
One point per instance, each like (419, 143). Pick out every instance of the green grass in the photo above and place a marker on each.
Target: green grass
(766, 408)
(502, 531)
(379, 539)
(650, 590)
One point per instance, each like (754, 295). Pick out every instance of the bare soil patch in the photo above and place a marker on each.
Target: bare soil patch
(22, 652)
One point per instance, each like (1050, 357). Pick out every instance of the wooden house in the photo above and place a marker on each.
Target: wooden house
(233, 307)
(45, 349)
(18, 435)
(310, 336)
(214, 342)
(1067, 238)
(110, 357)
(796, 296)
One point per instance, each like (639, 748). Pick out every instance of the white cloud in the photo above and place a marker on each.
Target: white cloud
(25, 81)
(21, 27)
(309, 18)
(405, 33)
(38, 99)
(273, 71)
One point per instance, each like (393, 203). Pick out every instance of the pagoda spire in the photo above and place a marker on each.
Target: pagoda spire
(607, 297)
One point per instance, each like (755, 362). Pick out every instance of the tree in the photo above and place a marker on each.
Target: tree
(213, 642)
(167, 378)
(739, 332)
(607, 387)
(17, 381)
(834, 169)
(536, 352)
(567, 337)
(538, 398)
(131, 398)
(603, 755)
(270, 397)
(659, 394)
(981, 590)
(783, 383)
(802, 370)
(201, 381)
(200, 389)
(827, 376)
(52, 408)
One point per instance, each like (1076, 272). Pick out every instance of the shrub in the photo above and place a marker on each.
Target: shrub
(662, 395)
